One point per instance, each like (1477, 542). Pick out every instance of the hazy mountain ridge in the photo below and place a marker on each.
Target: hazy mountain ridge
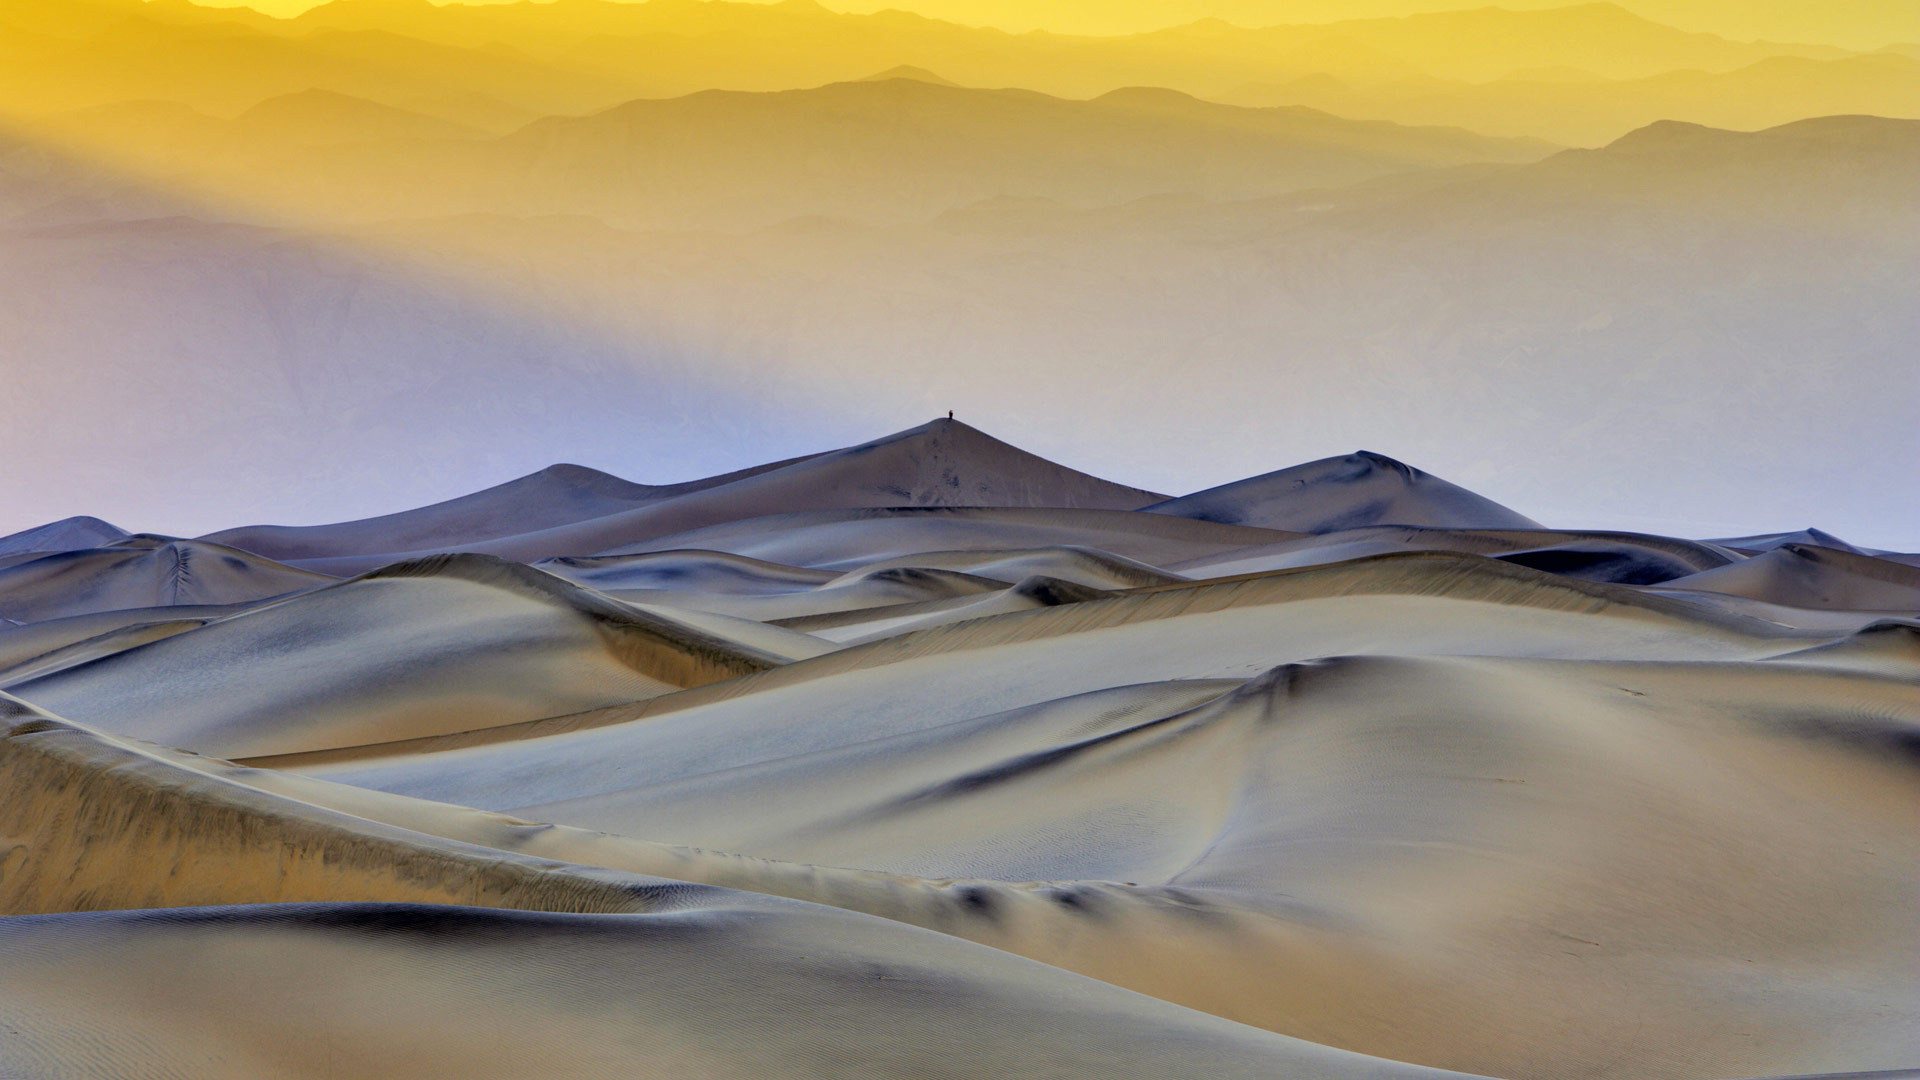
(590, 54)
(892, 150)
(1771, 91)
(1860, 24)
(1557, 279)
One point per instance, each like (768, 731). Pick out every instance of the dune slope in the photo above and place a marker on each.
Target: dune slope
(439, 645)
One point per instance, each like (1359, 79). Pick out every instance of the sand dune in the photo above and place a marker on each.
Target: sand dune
(1345, 493)
(874, 623)
(1086, 566)
(1315, 832)
(686, 571)
(1419, 604)
(854, 591)
(1045, 784)
(554, 496)
(639, 989)
(419, 648)
(1883, 647)
(143, 571)
(34, 662)
(1811, 576)
(761, 960)
(23, 642)
(940, 464)
(70, 534)
(1769, 541)
(1618, 558)
(847, 538)
(654, 979)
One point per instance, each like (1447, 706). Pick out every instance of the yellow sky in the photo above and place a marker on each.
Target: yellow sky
(1852, 23)
(1858, 24)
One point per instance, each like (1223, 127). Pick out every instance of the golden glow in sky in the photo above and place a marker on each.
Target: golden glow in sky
(1853, 24)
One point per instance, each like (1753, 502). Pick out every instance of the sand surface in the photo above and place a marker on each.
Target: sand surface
(929, 757)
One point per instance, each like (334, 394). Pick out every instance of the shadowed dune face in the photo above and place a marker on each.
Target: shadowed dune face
(1023, 789)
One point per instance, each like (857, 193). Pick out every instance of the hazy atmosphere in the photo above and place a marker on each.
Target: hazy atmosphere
(1643, 266)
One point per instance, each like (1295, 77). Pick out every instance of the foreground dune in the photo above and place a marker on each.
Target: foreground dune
(815, 785)
(735, 986)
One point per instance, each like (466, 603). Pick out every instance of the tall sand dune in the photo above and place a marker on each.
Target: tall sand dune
(68, 534)
(1769, 541)
(942, 463)
(1345, 493)
(556, 495)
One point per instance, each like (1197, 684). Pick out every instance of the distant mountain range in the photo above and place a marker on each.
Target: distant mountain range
(1582, 108)
(492, 66)
(889, 150)
(1731, 279)
(1860, 24)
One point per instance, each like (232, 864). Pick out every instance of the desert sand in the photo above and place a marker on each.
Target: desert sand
(932, 757)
